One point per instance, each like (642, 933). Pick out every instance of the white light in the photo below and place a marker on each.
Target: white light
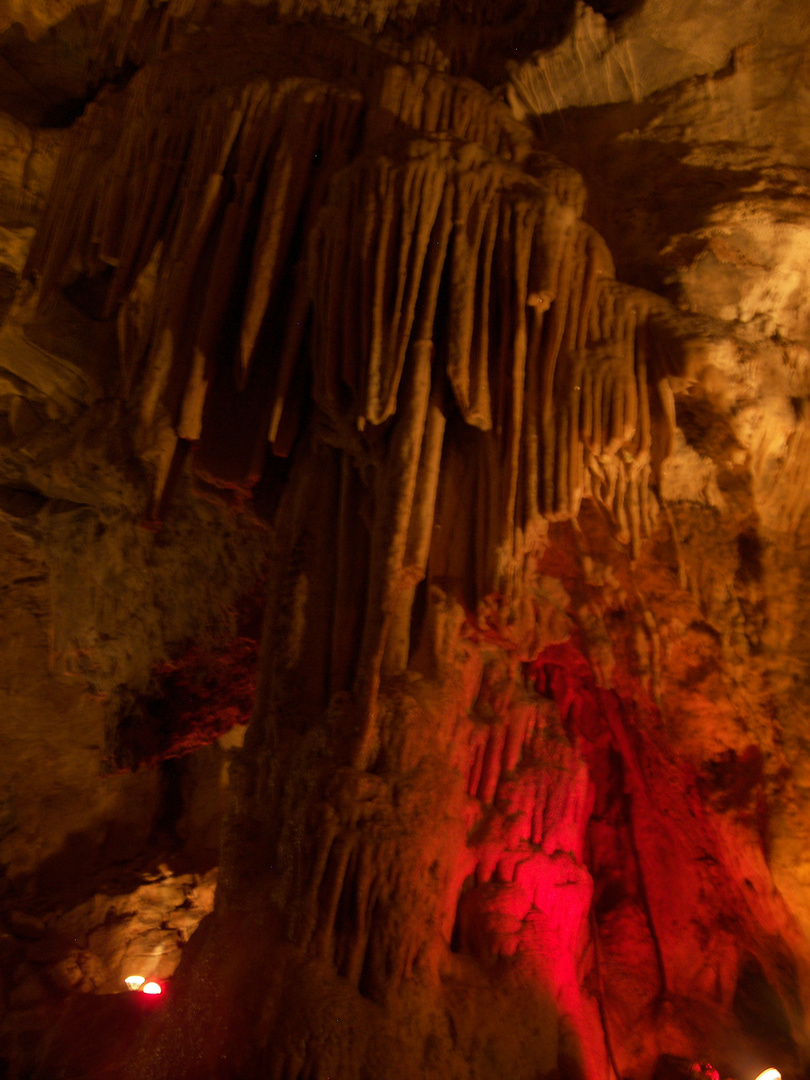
(156, 988)
(134, 982)
(770, 1074)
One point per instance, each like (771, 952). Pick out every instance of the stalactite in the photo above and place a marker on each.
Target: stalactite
(397, 484)
(350, 962)
(542, 346)
(387, 247)
(590, 409)
(337, 877)
(417, 546)
(491, 764)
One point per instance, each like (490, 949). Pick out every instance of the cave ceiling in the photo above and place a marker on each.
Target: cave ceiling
(426, 384)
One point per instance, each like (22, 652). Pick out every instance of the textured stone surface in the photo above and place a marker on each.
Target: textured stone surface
(525, 786)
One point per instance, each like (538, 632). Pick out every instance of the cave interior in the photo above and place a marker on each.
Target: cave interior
(404, 536)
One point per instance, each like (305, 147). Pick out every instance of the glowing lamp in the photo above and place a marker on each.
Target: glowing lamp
(770, 1074)
(152, 988)
(134, 982)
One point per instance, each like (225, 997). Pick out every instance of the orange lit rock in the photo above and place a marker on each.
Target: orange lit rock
(523, 791)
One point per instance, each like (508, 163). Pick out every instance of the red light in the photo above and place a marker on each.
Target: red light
(152, 988)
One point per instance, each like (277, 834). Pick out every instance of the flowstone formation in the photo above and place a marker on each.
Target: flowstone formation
(471, 833)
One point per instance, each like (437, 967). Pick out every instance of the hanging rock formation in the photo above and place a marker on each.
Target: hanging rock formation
(505, 805)
(393, 239)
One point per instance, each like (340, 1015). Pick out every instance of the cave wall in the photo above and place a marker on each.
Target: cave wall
(523, 792)
(109, 839)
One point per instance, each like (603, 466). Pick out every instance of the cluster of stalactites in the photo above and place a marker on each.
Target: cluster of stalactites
(192, 195)
(440, 243)
(261, 235)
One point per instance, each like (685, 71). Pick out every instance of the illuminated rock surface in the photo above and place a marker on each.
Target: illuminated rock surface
(469, 345)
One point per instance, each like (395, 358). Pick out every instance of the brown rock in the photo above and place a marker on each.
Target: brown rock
(524, 790)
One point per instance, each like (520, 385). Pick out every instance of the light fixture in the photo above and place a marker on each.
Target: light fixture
(156, 988)
(770, 1074)
(134, 982)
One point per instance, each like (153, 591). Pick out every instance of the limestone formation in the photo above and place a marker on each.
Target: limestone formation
(513, 378)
